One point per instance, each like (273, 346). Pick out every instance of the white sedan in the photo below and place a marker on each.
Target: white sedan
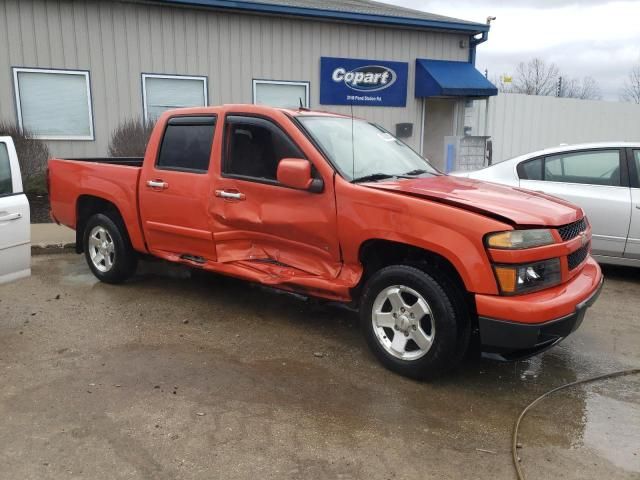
(602, 178)
(15, 234)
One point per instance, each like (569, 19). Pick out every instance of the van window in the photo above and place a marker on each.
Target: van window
(6, 187)
(187, 144)
(254, 148)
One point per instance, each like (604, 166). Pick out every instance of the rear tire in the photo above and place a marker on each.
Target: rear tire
(108, 250)
(413, 321)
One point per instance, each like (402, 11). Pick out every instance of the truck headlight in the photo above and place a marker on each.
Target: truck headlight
(527, 278)
(519, 239)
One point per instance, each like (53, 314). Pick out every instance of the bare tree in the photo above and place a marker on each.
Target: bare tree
(535, 77)
(130, 138)
(587, 89)
(631, 89)
(32, 153)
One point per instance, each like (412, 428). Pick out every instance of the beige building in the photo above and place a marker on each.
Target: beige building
(71, 71)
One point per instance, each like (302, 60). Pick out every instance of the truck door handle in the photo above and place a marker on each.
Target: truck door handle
(10, 216)
(157, 184)
(230, 195)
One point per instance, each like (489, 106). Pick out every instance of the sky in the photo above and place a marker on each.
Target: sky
(595, 38)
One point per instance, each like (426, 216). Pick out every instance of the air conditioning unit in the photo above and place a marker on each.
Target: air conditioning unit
(466, 153)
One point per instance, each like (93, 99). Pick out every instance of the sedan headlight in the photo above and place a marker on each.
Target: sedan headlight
(527, 278)
(519, 239)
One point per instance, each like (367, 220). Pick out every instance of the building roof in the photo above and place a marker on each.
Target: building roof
(366, 11)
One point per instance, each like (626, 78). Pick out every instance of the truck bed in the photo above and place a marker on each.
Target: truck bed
(126, 161)
(114, 179)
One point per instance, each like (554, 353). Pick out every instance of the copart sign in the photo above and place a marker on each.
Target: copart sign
(375, 83)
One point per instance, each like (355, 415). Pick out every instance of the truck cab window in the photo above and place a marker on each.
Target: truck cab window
(187, 144)
(5, 171)
(254, 147)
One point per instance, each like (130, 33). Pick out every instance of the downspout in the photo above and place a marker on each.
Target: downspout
(473, 43)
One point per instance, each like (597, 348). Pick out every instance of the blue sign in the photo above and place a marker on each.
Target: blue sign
(374, 83)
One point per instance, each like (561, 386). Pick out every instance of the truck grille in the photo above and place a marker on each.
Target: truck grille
(576, 258)
(572, 230)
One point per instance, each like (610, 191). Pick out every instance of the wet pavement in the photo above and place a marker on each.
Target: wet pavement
(172, 377)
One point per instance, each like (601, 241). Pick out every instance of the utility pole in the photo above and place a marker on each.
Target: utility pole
(559, 89)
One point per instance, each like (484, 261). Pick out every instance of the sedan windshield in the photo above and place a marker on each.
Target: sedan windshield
(363, 151)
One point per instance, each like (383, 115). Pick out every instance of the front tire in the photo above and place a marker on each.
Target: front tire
(108, 250)
(412, 321)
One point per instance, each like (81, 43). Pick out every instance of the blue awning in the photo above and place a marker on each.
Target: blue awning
(443, 78)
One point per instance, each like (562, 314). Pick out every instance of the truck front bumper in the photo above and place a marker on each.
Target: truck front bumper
(521, 337)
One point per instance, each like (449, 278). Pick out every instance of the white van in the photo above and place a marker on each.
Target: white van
(15, 232)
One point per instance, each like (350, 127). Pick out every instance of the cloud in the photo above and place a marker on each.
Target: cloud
(584, 38)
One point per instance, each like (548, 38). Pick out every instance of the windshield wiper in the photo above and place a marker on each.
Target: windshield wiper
(418, 171)
(374, 177)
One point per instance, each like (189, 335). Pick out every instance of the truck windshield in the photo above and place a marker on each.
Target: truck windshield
(363, 151)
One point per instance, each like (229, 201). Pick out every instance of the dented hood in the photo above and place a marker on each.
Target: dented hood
(515, 205)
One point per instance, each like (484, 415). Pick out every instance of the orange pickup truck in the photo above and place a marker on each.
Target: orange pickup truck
(333, 207)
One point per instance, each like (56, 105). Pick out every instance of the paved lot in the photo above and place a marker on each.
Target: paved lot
(172, 377)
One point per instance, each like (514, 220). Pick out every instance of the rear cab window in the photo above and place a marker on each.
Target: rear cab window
(594, 167)
(6, 185)
(186, 144)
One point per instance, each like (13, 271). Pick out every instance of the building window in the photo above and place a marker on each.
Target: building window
(276, 93)
(165, 92)
(54, 104)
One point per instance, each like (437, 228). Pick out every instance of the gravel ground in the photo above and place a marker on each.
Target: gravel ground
(172, 377)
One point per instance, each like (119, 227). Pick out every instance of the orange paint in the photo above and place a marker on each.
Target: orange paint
(284, 235)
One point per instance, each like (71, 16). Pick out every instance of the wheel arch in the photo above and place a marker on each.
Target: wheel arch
(377, 253)
(89, 205)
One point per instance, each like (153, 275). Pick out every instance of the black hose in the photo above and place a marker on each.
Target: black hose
(514, 444)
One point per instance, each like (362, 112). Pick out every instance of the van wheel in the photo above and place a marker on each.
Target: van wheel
(411, 322)
(108, 249)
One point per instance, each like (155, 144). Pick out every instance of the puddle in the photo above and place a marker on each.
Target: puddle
(612, 430)
(76, 272)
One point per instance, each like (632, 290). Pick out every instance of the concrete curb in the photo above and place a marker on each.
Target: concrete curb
(52, 248)
(49, 238)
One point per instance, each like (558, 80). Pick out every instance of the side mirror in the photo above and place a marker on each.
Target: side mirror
(296, 173)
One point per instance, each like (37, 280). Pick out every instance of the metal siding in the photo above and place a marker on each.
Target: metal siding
(118, 41)
(521, 124)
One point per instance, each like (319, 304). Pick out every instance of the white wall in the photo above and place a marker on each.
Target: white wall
(520, 123)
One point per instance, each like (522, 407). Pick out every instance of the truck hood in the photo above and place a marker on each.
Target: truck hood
(514, 205)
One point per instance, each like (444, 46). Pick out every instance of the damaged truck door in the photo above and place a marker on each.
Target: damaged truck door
(258, 218)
